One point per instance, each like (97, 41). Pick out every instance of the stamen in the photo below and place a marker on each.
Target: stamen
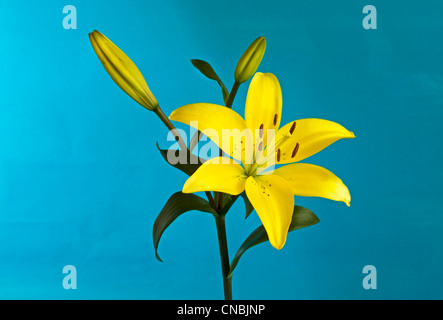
(294, 152)
(275, 119)
(260, 132)
(282, 140)
(270, 149)
(291, 131)
(260, 146)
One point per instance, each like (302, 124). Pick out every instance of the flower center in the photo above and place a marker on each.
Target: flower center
(274, 154)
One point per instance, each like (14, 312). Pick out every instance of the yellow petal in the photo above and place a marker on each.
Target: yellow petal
(223, 126)
(309, 180)
(122, 70)
(263, 106)
(312, 136)
(273, 201)
(217, 174)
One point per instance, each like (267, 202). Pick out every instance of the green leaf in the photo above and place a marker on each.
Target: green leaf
(206, 69)
(188, 165)
(301, 217)
(177, 204)
(248, 205)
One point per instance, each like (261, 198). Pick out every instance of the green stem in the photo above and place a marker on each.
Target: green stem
(228, 105)
(223, 245)
(219, 218)
(232, 94)
(159, 112)
(224, 257)
(211, 200)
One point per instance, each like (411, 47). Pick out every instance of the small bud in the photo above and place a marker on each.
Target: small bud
(250, 60)
(122, 70)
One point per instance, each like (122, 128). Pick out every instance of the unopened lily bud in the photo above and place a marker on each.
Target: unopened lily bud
(250, 60)
(122, 70)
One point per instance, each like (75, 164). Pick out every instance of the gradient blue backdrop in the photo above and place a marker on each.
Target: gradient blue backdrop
(81, 181)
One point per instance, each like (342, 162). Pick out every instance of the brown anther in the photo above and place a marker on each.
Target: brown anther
(294, 152)
(260, 131)
(275, 119)
(278, 155)
(260, 146)
(291, 131)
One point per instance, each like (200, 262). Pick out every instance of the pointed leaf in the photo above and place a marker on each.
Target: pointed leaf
(248, 205)
(206, 69)
(301, 218)
(188, 165)
(177, 204)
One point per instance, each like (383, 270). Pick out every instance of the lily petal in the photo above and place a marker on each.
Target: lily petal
(225, 127)
(273, 200)
(217, 174)
(263, 105)
(311, 135)
(309, 180)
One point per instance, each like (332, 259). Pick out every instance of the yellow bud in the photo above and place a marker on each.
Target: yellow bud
(250, 60)
(122, 70)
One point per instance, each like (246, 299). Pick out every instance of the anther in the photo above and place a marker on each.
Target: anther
(294, 152)
(260, 146)
(275, 119)
(260, 132)
(291, 131)
(278, 155)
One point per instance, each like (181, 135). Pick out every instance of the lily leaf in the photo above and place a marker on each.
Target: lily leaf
(188, 165)
(301, 217)
(177, 204)
(206, 69)
(248, 205)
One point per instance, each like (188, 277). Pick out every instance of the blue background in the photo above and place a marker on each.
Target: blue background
(81, 181)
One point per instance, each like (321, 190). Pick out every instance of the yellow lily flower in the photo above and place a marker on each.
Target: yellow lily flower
(270, 192)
